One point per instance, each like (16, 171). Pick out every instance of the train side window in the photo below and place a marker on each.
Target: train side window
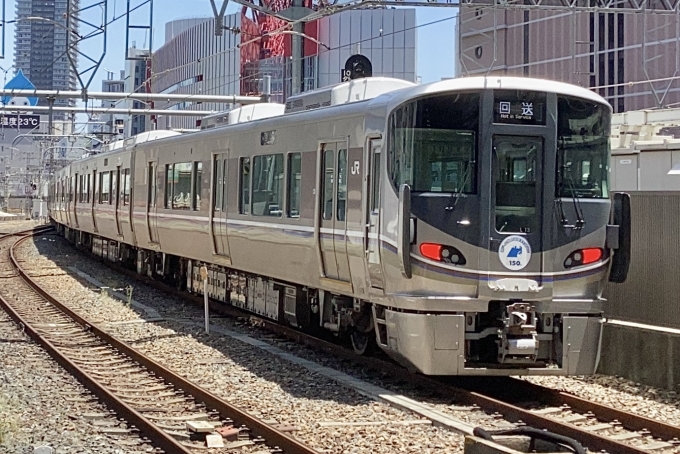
(198, 171)
(294, 184)
(181, 186)
(244, 186)
(218, 170)
(267, 198)
(342, 185)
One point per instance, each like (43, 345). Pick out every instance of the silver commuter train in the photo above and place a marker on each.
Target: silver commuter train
(463, 225)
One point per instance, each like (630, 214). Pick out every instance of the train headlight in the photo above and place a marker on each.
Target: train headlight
(584, 257)
(442, 253)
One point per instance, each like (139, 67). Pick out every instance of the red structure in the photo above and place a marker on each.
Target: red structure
(270, 44)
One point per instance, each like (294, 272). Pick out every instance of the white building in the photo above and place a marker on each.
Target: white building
(194, 60)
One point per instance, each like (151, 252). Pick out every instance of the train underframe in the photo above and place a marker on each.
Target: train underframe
(511, 337)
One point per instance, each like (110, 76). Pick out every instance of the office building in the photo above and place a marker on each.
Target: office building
(41, 46)
(138, 71)
(616, 54)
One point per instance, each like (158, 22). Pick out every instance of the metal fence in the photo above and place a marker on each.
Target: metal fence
(651, 293)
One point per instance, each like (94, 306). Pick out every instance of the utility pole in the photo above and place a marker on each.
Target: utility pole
(50, 103)
(298, 47)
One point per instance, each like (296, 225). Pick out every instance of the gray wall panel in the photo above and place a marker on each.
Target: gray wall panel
(651, 294)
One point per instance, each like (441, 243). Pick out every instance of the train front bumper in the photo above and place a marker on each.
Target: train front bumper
(435, 344)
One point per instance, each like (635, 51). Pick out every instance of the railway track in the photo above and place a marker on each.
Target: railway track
(598, 427)
(170, 412)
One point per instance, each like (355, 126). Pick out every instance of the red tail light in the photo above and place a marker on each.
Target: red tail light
(442, 253)
(431, 251)
(591, 255)
(584, 257)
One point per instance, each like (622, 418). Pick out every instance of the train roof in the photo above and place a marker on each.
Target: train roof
(489, 82)
(380, 92)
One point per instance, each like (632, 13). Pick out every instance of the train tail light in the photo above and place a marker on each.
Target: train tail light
(584, 257)
(442, 253)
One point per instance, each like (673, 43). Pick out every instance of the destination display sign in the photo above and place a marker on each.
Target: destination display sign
(20, 121)
(519, 107)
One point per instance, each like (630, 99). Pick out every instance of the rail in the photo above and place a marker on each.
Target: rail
(273, 437)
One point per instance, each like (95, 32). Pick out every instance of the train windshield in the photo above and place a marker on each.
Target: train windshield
(433, 144)
(583, 129)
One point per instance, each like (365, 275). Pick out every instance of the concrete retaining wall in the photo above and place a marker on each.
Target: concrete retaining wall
(642, 353)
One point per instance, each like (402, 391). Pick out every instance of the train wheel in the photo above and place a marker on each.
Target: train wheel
(360, 341)
(362, 335)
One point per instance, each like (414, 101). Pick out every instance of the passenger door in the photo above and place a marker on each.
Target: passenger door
(332, 211)
(218, 214)
(372, 214)
(516, 215)
(152, 190)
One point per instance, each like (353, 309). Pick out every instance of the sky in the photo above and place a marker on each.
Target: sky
(435, 53)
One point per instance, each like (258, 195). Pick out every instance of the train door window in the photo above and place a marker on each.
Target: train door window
(151, 192)
(218, 170)
(267, 187)
(198, 171)
(375, 181)
(168, 186)
(515, 163)
(115, 184)
(72, 189)
(105, 187)
(294, 180)
(126, 186)
(83, 188)
(224, 185)
(181, 186)
(342, 185)
(244, 186)
(97, 185)
(327, 181)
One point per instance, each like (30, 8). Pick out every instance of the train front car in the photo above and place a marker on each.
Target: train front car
(497, 209)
